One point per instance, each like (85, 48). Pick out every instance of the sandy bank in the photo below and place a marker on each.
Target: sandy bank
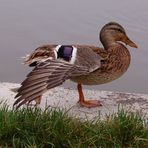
(67, 99)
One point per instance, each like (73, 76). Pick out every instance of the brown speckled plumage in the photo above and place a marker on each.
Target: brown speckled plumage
(88, 65)
(115, 62)
(42, 52)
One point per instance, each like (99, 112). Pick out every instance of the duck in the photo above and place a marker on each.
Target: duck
(83, 64)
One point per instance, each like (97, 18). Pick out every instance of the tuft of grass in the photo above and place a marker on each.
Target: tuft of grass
(32, 127)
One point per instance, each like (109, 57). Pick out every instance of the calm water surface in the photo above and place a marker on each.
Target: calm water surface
(25, 25)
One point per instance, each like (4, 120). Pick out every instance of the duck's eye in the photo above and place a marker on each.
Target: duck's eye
(119, 30)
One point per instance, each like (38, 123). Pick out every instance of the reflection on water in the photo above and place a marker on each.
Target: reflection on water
(26, 25)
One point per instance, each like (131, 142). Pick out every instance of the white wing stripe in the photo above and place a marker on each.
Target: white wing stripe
(74, 54)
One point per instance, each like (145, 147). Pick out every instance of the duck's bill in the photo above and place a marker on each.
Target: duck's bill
(131, 43)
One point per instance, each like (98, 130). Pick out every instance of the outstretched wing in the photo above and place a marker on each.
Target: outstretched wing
(46, 75)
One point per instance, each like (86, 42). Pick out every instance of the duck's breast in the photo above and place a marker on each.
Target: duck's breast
(113, 67)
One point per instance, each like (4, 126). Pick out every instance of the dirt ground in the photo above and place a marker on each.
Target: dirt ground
(67, 99)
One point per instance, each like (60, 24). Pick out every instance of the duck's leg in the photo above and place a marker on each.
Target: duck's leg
(87, 103)
(38, 100)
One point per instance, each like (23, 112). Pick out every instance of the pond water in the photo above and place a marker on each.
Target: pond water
(25, 25)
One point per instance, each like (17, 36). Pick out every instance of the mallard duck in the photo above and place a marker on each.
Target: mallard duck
(83, 64)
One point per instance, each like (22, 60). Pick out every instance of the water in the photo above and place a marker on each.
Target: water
(25, 25)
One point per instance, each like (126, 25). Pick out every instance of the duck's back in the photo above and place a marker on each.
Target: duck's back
(111, 63)
(69, 53)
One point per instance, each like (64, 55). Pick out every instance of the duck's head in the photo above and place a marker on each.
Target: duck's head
(112, 33)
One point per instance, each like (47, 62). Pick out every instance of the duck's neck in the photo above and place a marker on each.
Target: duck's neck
(107, 40)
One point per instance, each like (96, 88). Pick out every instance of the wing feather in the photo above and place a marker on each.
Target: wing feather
(27, 90)
(32, 83)
(21, 101)
(46, 75)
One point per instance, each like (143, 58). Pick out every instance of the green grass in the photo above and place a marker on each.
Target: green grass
(54, 128)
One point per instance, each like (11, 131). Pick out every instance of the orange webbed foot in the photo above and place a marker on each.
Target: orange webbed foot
(87, 103)
(90, 103)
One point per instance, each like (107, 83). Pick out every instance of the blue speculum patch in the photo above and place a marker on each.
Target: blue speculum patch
(65, 52)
